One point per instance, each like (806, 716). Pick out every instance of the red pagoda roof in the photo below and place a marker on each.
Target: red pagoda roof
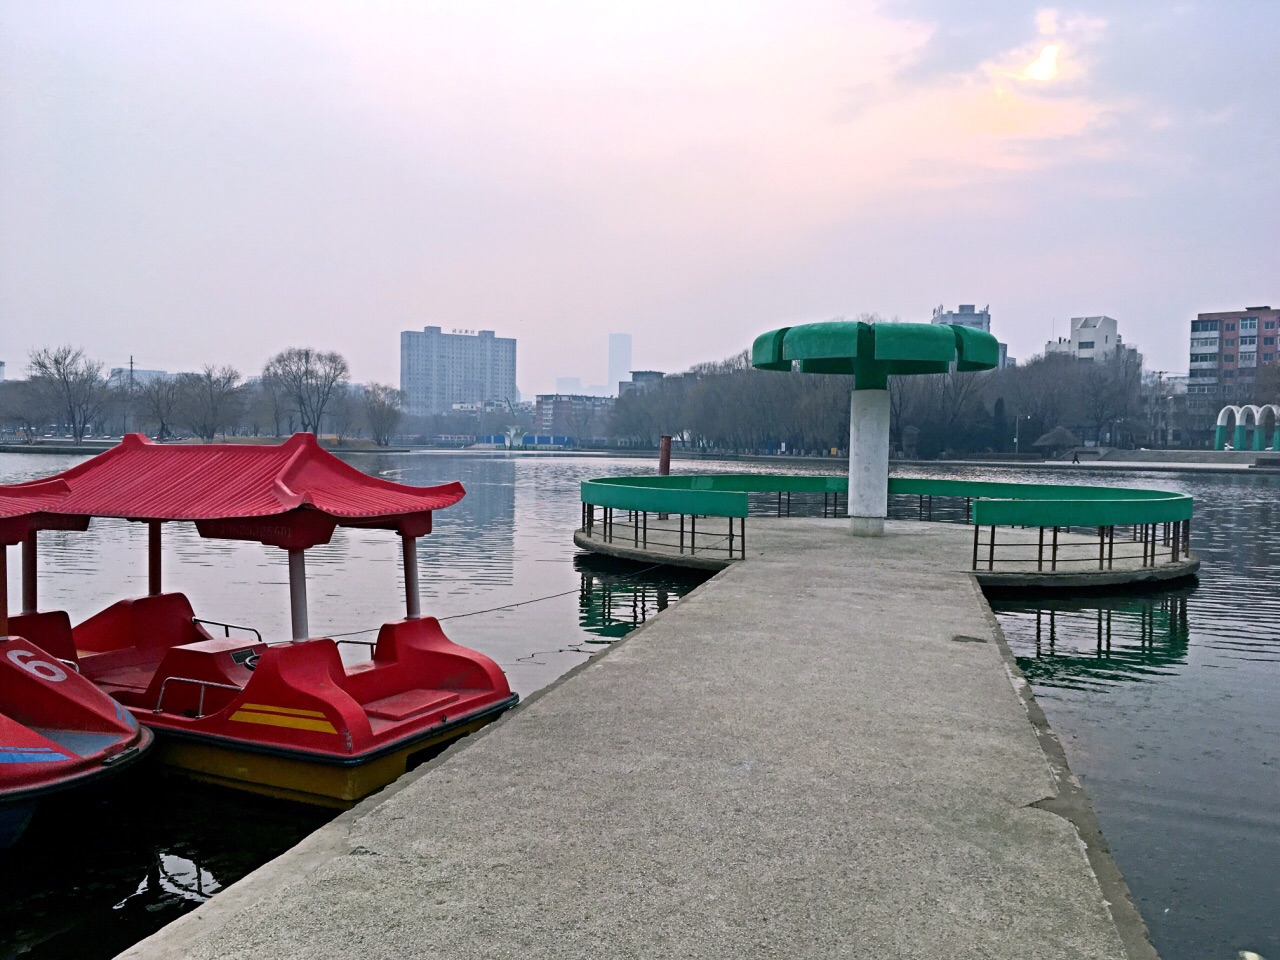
(141, 480)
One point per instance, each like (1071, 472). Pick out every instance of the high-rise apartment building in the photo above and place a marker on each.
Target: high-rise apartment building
(440, 369)
(619, 359)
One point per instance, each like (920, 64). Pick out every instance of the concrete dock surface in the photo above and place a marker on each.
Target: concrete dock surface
(823, 752)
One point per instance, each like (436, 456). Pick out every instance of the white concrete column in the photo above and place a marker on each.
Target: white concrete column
(868, 462)
(412, 601)
(298, 594)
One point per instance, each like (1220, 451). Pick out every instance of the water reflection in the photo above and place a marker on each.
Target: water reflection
(100, 869)
(616, 597)
(1098, 642)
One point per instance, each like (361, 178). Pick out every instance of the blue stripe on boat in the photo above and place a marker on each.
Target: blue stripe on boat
(30, 755)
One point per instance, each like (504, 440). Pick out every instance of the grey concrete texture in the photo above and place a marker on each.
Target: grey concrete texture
(819, 753)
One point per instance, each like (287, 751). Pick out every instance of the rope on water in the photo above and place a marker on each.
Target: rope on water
(505, 606)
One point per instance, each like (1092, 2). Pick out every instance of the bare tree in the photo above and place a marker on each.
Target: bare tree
(159, 399)
(383, 408)
(346, 413)
(209, 400)
(72, 383)
(24, 405)
(308, 379)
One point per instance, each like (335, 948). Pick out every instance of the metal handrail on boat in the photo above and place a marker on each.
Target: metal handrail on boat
(202, 684)
(226, 627)
(371, 644)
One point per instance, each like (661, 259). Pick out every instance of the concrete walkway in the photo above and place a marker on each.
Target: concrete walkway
(822, 752)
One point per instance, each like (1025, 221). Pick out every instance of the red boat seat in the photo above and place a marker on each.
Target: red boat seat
(411, 703)
(121, 647)
(147, 623)
(415, 655)
(50, 631)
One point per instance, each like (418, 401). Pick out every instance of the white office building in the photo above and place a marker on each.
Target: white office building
(1092, 338)
(439, 369)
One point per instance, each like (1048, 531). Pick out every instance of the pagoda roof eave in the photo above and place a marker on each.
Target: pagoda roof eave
(213, 483)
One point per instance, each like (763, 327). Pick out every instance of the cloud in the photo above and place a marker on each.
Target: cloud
(297, 167)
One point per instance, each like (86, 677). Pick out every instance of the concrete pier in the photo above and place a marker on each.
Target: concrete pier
(826, 751)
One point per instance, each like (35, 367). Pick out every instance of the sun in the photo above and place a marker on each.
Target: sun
(1045, 67)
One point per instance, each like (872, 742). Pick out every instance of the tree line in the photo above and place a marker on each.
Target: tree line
(299, 389)
(731, 407)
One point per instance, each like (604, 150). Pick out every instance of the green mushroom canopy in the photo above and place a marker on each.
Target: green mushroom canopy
(872, 352)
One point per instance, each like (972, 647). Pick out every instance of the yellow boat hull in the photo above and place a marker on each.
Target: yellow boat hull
(295, 778)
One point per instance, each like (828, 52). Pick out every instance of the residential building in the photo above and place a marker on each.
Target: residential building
(1092, 338)
(1226, 349)
(574, 415)
(439, 369)
(966, 315)
(619, 360)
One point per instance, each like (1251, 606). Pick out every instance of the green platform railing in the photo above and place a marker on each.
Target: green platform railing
(1150, 519)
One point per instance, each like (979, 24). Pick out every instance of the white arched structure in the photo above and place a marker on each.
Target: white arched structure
(1244, 417)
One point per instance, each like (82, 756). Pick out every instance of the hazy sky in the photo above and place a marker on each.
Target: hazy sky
(214, 181)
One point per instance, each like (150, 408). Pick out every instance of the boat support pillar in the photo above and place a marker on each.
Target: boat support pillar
(412, 599)
(30, 599)
(153, 558)
(298, 594)
(4, 589)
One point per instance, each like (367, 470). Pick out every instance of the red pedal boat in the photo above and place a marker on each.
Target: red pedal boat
(57, 731)
(285, 718)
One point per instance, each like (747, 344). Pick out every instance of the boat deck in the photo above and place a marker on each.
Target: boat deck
(823, 752)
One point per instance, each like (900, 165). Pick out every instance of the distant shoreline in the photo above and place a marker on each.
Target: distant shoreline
(1163, 461)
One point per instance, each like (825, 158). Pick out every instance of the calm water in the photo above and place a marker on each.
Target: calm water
(1169, 707)
(1168, 703)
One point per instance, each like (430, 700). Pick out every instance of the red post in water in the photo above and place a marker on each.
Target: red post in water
(664, 456)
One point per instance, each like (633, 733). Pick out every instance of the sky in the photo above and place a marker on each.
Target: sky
(212, 182)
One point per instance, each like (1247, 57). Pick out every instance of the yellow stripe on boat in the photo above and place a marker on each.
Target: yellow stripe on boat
(264, 708)
(277, 720)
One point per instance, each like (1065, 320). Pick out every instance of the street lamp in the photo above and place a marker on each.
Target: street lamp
(1017, 430)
